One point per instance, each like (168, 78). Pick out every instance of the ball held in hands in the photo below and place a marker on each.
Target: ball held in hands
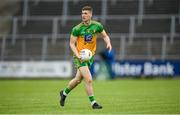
(85, 54)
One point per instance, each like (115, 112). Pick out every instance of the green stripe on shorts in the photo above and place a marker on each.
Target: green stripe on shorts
(79, 63)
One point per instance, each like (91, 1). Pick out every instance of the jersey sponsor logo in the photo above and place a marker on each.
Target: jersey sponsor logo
(91, 31)
(88, 37)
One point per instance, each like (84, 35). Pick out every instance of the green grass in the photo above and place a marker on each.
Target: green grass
(119, 96)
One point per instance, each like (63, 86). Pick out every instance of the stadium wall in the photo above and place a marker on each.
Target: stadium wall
(63, 69)
(35, 69)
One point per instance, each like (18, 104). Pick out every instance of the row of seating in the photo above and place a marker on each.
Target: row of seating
(119, 7)
(112, 26)
(142, 48)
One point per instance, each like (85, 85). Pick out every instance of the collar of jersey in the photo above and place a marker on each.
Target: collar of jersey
(88, 24)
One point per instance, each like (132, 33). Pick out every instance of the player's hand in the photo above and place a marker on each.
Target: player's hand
(109, 47)
(79, 57)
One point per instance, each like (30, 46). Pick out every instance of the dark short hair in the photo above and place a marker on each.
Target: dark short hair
(87, 8)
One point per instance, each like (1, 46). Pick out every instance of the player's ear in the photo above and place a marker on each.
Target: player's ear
(90, 12)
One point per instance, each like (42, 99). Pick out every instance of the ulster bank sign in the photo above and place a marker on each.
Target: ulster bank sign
(145, 68)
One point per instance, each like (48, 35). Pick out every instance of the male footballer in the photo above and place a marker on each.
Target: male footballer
(83, 36)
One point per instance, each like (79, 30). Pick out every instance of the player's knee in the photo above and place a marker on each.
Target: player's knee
(78, 81)
(89, 81)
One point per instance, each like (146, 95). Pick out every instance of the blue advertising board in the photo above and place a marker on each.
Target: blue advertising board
(143, 68)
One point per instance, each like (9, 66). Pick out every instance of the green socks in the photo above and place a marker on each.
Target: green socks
(91, 99)
(66, 91)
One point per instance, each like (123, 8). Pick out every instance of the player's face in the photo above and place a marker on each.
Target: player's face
(86, 15)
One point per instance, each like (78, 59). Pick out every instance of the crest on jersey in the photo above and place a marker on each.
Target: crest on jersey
(88, 37)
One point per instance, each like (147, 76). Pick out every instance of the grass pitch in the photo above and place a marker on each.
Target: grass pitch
(117, 97)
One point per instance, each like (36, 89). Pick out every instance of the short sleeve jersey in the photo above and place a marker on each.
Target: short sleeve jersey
(86, 35)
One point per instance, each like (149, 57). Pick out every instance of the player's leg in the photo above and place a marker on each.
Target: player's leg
(88, 85)
(71, 85)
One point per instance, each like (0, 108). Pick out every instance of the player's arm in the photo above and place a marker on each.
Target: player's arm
(72, 43)
(106, 39)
